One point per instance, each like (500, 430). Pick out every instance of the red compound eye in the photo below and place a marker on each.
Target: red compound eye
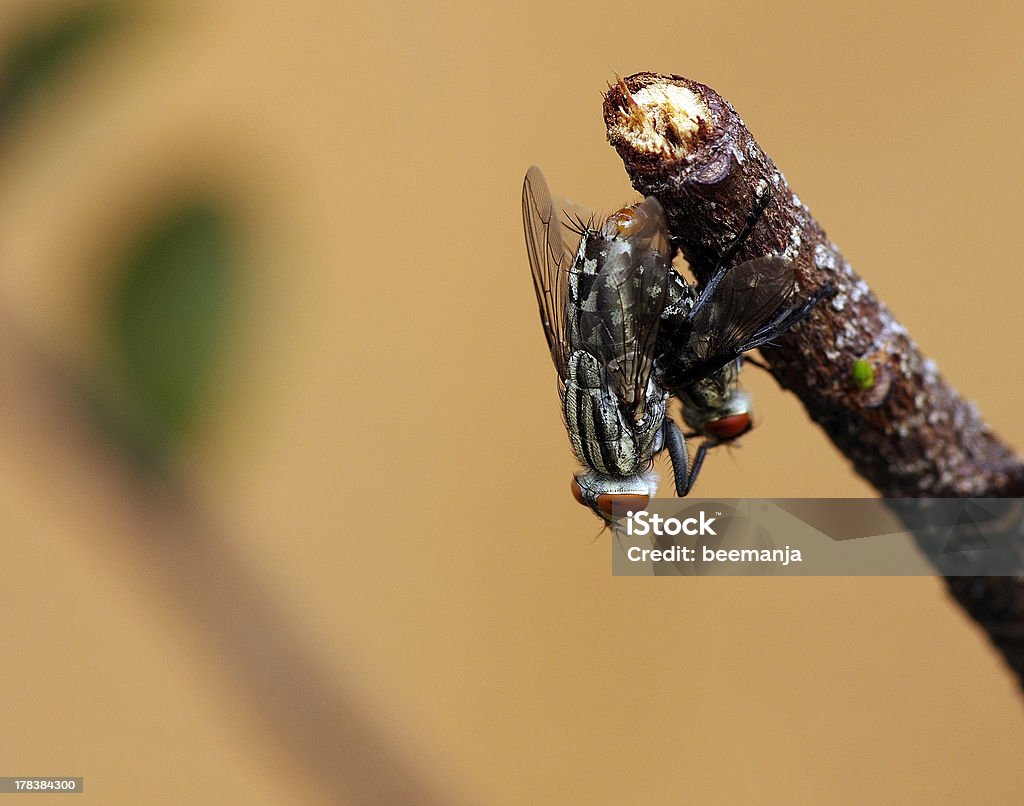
(613, 504)
(729, 427)
(577, 493)
(621, 504)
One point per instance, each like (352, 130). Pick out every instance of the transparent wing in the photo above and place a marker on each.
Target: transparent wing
(550, 260)
(750, 298)
(630, 290)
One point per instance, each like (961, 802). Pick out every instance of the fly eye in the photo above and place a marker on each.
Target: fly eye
(577, 493)
(612, 504)
(729, 427)
(620, 504)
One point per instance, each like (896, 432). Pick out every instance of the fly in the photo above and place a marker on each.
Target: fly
(601, 307)
(625, 330)
(704, 335)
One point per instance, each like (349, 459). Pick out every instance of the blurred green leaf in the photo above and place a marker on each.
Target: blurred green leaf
(43, 51)
(166, 319)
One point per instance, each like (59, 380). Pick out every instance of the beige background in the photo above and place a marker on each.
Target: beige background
(384, 454)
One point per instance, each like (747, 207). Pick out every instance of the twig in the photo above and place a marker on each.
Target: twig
(905, 430)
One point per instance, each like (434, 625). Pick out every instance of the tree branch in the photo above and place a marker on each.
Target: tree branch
(905, 430)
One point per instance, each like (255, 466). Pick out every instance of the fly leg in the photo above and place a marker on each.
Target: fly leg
(760, 205)
(683, 472)
(785, 320)
(698, 463)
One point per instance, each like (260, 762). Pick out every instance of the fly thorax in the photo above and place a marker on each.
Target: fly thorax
(583, 274)
(680, 298)
(614, 251)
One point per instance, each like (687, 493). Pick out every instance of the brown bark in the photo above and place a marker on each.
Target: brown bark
(910, 434)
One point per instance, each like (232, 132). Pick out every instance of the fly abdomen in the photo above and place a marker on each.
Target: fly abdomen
(603, 432)
(600, 305)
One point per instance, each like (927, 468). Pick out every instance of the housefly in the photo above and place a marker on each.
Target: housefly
(625, 330)
(601, 306)
(704, 335)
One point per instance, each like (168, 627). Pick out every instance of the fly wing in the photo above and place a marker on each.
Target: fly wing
(550, 261)
(750, 297)
(628, 296)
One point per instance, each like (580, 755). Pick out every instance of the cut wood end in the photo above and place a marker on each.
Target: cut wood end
(659, 119)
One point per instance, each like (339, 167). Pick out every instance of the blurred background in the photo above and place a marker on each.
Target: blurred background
(284, 487)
